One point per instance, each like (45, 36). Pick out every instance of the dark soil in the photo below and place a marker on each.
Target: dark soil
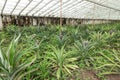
(90, 75)
(113, 77)
(84, 75)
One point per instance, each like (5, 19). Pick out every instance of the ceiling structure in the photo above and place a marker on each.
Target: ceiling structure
(87, 9)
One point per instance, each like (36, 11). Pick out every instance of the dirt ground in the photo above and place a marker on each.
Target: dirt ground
(88, 75)
(113, 77)
(91, 75)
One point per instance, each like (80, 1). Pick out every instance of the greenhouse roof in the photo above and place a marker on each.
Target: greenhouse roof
(88, 9)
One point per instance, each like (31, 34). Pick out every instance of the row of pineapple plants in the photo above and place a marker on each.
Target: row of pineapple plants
(40, 53)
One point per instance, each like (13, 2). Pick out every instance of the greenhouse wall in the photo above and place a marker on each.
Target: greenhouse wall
(29, 20)
(96, 21)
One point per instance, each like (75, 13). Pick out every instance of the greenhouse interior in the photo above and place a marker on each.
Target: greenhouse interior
(59, 39)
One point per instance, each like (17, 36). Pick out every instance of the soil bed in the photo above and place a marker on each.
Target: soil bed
(91, 75)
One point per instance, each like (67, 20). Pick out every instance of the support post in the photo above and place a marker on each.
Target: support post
(1, 25)
(60, 12)
(60, 19)
(93, 22)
